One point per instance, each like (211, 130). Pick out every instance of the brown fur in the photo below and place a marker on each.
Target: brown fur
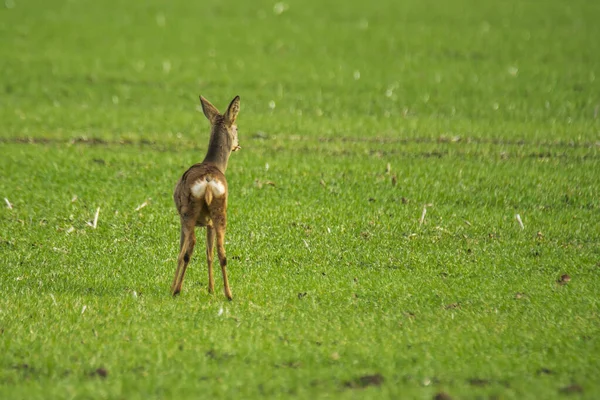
(210, 210)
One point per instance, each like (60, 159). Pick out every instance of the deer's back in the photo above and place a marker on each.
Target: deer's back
(190, 193)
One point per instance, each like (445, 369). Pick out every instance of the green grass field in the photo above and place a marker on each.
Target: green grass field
(356, 116)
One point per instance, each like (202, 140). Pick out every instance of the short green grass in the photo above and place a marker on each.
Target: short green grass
(356, 116)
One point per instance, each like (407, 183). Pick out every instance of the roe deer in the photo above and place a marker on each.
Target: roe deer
(201, 195)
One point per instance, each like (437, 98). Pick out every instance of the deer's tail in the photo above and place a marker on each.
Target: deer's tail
(208, 194)
(208, 187)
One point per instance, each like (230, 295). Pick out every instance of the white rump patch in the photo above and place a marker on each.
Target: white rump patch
(218, 189)
(198, 188)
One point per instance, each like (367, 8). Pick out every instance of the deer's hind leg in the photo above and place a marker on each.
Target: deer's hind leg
(186, 249)
(220, 225)
(210, 254)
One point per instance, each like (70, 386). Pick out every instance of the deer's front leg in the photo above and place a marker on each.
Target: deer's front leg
(210, 253)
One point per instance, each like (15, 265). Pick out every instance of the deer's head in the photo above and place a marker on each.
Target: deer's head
(223, 127)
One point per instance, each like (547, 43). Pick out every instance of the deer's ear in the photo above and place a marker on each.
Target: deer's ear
(210, 111)
(232, 111)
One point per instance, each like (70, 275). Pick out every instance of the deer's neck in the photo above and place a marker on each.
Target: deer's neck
(218, 152)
